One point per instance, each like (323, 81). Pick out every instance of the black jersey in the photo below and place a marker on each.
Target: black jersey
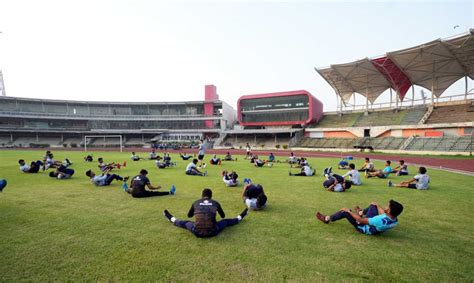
(205, 211)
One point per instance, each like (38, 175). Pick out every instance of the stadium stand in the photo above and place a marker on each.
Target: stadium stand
(26, 122)
(452, 114)
(456, 144)
(337, 121)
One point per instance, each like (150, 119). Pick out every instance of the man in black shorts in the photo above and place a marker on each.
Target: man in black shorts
(137, 187)
(205, 210)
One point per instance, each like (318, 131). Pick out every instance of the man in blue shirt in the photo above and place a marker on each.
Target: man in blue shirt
(371, 221)
(381, 173)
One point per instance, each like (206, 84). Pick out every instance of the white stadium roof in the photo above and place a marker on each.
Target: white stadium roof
(434, 65)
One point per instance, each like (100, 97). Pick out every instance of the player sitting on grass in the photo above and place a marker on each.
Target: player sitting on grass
(205, 210)
(371, 221)
(354, 175)
(419, 182)
(343, 164)
(154, 155)
(228, 157)
(166, 162)
(192, 169)
(109, 166)
(253, 195)
(62, 172)
(380, 173)
(135, 157)
(138, 183)
(3, 184)
(215, 161)
(305, 171)
(185, 156)
(230, 179)
(292, 159)
(105, 179)
(401, 169)
(368, 166)
(34, 166)
(260, 163)
(334, 182)
(88, 158)
(271, 157)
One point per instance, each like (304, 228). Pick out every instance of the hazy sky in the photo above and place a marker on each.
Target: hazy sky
(168, 50)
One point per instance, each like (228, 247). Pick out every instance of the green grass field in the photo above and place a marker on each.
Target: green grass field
(70, 230)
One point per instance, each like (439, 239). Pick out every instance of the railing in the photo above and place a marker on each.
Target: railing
(406, 104)
(95, 116)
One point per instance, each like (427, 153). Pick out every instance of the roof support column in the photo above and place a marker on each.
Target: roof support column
(396, 99)
(354, 106)
(465, 87)
(391, 98)
(367, 96)
(433, 83)
(412, 95)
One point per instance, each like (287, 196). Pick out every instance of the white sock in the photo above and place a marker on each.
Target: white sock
(239, 218)
(173, 219)
(328, 218)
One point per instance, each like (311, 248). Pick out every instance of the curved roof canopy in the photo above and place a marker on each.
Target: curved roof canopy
(434, 65)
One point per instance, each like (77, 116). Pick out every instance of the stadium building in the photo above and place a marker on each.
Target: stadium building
(26, 122)
(294, 119)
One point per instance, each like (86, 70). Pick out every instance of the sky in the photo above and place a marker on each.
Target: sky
(168, 50)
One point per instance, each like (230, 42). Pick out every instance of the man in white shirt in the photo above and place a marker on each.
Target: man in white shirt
(419, 182)
(305, 171)
(354, 175)
(34, 167)
(192, 169)
(105, 179)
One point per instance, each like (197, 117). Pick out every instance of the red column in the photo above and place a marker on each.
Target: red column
(210, 94)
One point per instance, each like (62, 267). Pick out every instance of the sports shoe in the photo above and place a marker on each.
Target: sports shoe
(390, 184)
(168, 215)
(249, 181)
(124, 164)
(173, 190)
(322, 217)
(126, 179)
(329, 170)
(205, 173)
(125, 186)
(244, 213)
(289, 173)
(270, 164)
(118, 165)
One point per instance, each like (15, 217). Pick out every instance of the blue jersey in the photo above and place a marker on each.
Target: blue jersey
(378, 224)
(343, 163)
(386, 171)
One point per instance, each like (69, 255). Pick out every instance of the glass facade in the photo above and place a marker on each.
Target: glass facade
(275, 109)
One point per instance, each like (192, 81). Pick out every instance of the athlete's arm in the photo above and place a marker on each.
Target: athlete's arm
(191, 211)
(358, 218)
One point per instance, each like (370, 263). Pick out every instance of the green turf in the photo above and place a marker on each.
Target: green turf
(58, 230)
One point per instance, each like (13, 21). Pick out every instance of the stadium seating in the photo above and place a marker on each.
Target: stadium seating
(452, 114)
(393, 143)
(375, 118)
(457, 144)
(337, 121)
